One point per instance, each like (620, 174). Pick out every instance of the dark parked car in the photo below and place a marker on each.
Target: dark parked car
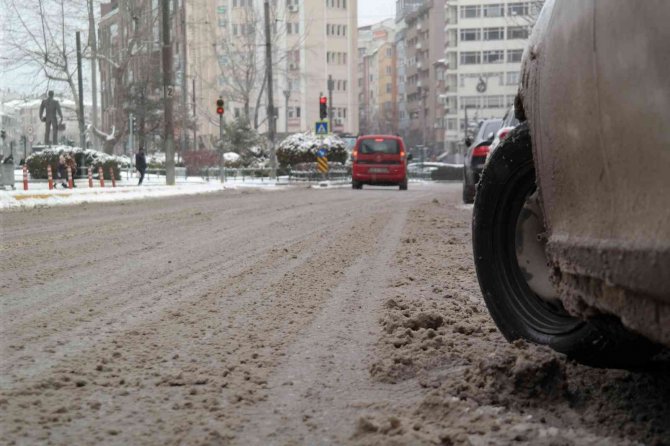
(571, 226)
(476, 157)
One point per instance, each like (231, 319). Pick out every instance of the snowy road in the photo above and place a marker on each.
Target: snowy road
(286, 318)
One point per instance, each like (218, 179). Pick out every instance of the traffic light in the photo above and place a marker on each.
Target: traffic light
(323, 107)
(3, 135)
(219, 106)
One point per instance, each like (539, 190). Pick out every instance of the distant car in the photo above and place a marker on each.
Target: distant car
(509, 123)
(476, 157)
(379, 160)
(571, 225)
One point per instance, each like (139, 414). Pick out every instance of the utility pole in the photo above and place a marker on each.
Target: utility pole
(331, 87)
(82, 134)
(287, 95)
(166, 54)
(93, 43)
(195, 121)
(184, 82)
(272, 123)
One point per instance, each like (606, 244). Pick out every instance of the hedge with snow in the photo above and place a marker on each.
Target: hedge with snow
(302, 147)
(37, 162)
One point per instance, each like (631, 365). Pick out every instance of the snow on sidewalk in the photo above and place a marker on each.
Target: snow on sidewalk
(39, 194)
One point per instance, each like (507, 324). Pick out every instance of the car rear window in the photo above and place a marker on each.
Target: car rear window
(380, 145)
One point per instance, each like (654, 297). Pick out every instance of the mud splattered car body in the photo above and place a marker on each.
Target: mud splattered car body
(596, 92)
(595, 102)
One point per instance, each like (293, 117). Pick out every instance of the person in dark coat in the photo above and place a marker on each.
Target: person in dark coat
(61, 171)
(140, 164)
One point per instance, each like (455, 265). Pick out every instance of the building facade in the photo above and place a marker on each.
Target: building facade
(377, 79)
(424, 76)
(483, 49)
(312, 41)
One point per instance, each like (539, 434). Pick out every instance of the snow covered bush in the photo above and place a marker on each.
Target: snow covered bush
(302, 148)
(232, 159)
(37, 162)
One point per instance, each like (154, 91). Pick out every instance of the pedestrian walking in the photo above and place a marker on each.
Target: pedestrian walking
(140, 164)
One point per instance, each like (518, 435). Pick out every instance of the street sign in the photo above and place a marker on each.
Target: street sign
(30, 130)
(322, 160)
(321, 128)
(169, 90)
(31, 138)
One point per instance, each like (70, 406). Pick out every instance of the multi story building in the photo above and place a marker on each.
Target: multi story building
(219, 51)
(403, 7)
(424, 82)
(483, 48)
(377, 78)
(312, 41)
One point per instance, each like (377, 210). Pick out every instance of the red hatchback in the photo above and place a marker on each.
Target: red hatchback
(379, 160)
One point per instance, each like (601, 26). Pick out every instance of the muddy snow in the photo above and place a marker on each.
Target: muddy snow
(296, 317)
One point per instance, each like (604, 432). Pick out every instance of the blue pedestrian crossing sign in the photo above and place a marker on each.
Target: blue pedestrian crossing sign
(321, 128)
(321, 153)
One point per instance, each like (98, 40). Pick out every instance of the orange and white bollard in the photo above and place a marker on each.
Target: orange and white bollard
(111, 174)
(50, 177)
(25, 177)
(69, 177)
(102, 177)
(90, 177)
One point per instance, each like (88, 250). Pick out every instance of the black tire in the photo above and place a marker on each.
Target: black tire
(356, 184)
(468, 190)
(403, 185)
(508, 179)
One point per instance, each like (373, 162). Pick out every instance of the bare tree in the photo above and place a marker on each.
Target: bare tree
(242, 64)
(41, 37)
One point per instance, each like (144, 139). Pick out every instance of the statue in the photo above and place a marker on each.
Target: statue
(49, 109)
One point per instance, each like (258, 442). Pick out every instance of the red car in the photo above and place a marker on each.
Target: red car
(379, 160)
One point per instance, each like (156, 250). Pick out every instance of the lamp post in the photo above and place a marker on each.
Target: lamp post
(287, 94)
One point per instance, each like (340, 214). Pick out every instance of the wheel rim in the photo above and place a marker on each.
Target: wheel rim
(545, 315)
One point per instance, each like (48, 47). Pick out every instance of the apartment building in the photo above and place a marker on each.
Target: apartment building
(484, 44)
(377, 78)
(312, 41)
(219, 51)
(424, 75)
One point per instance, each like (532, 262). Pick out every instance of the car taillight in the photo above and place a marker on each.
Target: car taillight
(480, 151)
(354, 155)
(503, 134)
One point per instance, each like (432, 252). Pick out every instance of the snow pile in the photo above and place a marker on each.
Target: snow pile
(302, 148)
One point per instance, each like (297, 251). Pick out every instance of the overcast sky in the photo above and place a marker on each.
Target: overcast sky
(373, 11)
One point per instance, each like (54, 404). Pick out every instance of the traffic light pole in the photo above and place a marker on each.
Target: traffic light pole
(272, 122)
(223, 161)
(331, 87)
(167, 95)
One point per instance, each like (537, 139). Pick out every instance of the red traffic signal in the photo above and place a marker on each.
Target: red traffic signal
(323, 107)
(219, 106)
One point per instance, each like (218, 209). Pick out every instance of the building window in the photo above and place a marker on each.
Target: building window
(518, 9)
(470, 34)
(512, 78)
(496, 10)
(471, 11)
(497, 101)
(494, 33)
(495, 56)
(471, 57)
(470, 102)
(517, 32)
(514, 56)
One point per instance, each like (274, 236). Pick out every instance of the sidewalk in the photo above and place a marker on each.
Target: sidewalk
(38, 193)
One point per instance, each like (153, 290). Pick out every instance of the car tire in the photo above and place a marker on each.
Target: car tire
(403, 185)
(356, 185)
(468, 190)
(506, 183)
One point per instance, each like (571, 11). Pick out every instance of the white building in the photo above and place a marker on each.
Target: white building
(312, 40)
(484, 45)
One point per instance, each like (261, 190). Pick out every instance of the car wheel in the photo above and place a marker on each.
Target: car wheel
(468, 190)
(356, 185)
(403, 185)
(513, 271)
